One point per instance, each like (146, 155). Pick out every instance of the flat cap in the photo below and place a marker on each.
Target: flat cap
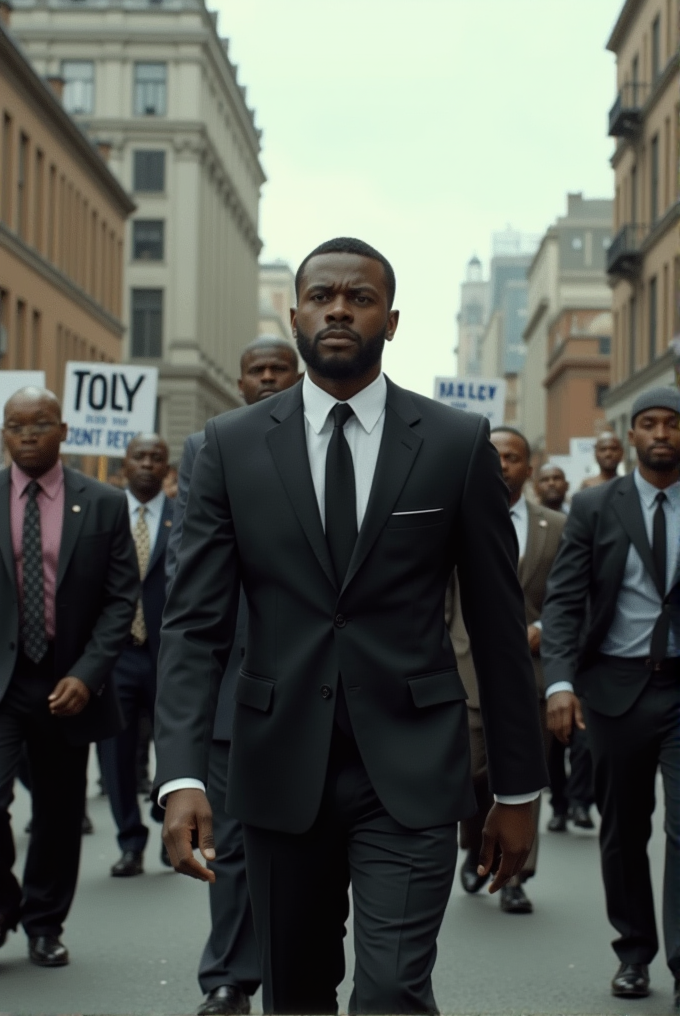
(663, 397)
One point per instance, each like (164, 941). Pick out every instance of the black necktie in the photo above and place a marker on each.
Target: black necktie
(33, 628)
(659, 645)
(341, 498)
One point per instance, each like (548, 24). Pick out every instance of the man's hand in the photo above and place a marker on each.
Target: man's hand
(564, 710)
(69, 697)
(187, 811)
(512, 827)
(534, 636)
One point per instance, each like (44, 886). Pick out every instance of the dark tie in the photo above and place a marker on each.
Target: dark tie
(659, 645)
(33, 629)
(341, 498)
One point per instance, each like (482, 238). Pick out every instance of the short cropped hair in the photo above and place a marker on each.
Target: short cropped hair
(515, 433)
(350, 245)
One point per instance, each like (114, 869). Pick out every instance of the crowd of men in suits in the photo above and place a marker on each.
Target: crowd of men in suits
(308, 619)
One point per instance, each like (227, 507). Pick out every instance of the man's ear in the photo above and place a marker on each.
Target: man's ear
(240, 385)
(392, 323)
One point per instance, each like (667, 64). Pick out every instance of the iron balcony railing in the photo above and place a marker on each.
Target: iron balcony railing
(625, 116)
(624, 256)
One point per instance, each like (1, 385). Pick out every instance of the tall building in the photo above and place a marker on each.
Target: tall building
(644, 257)
(567, 332)
(62, 222)
(471, 318)
(277, 296)
(153, 79)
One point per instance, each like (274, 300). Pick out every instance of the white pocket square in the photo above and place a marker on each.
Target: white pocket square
(421, 511)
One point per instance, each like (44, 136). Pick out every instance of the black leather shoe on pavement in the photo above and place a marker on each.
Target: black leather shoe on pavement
(631, 980)
(225, 1001)
(47, 951)
(128, 865)
(580, 816)
(557, 824)
(515, 901)
(471, 881)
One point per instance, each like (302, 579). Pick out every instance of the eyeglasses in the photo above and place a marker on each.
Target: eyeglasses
(30, 429)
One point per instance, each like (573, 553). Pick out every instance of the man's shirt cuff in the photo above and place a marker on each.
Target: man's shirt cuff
(516, 798)
(172, 785)
(537, 624)
(559, 686)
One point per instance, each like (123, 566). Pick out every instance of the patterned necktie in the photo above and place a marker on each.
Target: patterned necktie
(140, 535)
(33, 628)
(341, 498)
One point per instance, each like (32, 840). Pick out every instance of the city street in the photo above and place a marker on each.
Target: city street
(135, 943)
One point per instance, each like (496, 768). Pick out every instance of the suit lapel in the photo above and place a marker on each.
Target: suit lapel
(76, 505)
(164, 528)
(399, 448)
(626, 504)
(537, 529)
(288, 446)
(6, 549)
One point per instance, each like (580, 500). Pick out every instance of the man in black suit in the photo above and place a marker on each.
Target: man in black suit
(611, 638)
(342, 505)
(229, 970)
(68, 585)
(150, 514)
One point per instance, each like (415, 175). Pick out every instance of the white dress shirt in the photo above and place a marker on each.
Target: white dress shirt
(154, 512)
(363, 432)
(519, 514)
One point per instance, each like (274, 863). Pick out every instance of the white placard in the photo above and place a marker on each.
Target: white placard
(483, 395)
(12, 380)
(105, 405)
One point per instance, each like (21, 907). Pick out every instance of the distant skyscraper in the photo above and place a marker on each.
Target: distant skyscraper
(474, 308)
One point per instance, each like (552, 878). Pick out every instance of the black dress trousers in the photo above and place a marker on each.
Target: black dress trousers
(58, 772)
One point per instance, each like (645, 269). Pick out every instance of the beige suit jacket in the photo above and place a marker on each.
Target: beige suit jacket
(543, 536)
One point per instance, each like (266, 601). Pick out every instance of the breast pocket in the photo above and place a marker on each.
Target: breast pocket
(417, 520)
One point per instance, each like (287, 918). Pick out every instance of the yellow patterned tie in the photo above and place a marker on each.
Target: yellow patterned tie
(140, 535)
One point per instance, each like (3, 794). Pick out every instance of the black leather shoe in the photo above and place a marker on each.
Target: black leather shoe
(128, 865)
(631, 980)
(165, 857)
(515, 901)
(8, 922)
(580, 816)
(225, 1001)
(557, 824)
(86, 827)
(470, 880)
(47, 951)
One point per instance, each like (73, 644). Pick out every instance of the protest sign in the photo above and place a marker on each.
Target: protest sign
(474, 395)
(105, 405)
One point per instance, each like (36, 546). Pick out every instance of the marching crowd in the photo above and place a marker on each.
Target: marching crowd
(305, 539)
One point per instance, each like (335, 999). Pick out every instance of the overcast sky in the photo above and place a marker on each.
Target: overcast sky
(422, 126)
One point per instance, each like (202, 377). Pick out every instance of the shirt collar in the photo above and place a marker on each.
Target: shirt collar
(50, 482)
(368, 404)
(520, 509)
(153, 507)
(648, 492)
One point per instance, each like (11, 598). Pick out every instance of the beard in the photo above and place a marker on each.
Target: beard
(340, 367)
(663, 465)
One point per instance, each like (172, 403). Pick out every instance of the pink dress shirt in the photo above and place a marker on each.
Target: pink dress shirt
(51, 507)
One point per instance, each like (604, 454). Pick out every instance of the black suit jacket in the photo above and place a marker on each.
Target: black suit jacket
(252, 517)
(97, 589)
(583, 589)
(224, 714)
(153, 585)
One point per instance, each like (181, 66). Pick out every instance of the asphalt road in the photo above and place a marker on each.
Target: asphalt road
(135, 943)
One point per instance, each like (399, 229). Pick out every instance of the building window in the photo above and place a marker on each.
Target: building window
(600, 392)
(148, 240)
(78, 78)
(6, 181)
(149, 172)
(147, 322)
(652, 299)
(4, 305)
(656, 48)
(150, 89)
(632, 334)
(577, 243)
(654, 181)
(604, 345)
(22, 190)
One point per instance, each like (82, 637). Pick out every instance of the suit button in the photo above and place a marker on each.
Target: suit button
(340, 621)
(326, 692)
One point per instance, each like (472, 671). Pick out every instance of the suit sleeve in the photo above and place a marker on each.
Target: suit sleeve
(121, 591)
(174, 540)
(493, 611)
(565, 606)
(198, 623)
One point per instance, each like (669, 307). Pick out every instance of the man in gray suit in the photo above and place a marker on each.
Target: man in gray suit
(229, 971)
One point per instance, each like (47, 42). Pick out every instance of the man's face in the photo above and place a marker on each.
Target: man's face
(265, 372)
(656, 436)
(514, 462)
(33, 432)
(342, 320)
(552, 487)
(608, 454)
(145, 466)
